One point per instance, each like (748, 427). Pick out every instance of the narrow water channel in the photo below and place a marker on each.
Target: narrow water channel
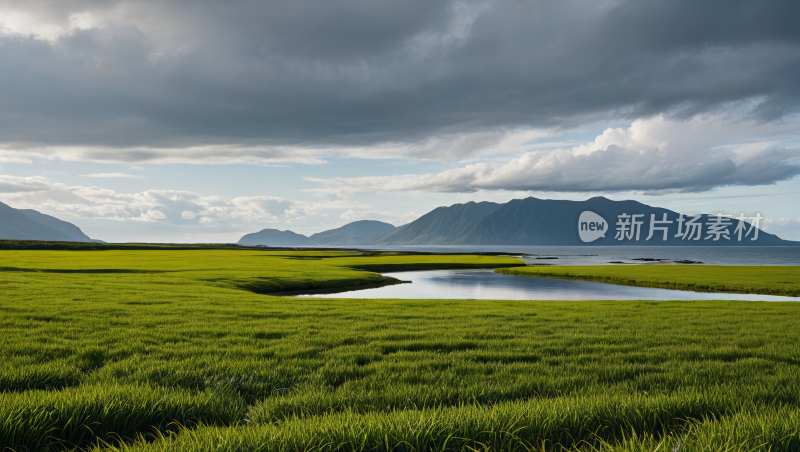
(487, 285)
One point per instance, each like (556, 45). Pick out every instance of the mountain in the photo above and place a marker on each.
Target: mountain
(26, 224)
(54, 223)
(441, 226)
(534, 221)
(356, 233)
(274, 237)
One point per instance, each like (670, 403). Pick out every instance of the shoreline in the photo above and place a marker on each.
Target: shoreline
(629, 280)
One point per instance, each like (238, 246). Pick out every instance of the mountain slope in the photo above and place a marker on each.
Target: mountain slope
(273, 237)
(441, 226)
(54, 223)
(356, 233)
(16, 225)
(534, 221)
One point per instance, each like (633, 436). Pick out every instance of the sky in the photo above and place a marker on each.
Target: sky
(199, 121)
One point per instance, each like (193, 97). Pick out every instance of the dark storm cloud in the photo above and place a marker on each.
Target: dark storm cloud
(362, 72)
(666, 26)
(329, 31)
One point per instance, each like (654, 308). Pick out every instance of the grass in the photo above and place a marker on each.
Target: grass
(767, 280)
(254, 270)
(6, 244)
(164, 350)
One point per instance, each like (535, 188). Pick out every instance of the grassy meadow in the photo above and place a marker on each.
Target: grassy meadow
(162, 350)
(766, 280)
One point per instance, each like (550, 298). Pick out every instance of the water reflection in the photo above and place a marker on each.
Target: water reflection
(485, 284)
(602, 255)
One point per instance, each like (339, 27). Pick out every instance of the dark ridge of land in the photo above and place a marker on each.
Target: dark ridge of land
(134, 246)
(92, 246)
(387, 281)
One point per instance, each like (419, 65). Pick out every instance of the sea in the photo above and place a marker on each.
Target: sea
(614, 255)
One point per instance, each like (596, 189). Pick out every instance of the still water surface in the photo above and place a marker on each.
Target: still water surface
(485, 284)
(603, 255)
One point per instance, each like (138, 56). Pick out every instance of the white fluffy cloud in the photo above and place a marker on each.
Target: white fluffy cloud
(112, 176)
(786, 228)
(182, 208)
(353, 215)
(783, 221)
(655, 155)
(209, 155)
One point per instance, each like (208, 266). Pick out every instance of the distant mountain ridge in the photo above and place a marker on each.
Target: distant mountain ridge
(355, 233)
(533, 221)
(442, 225)
(540, 222)
(54, 223)
(273, 237)
(27, 224)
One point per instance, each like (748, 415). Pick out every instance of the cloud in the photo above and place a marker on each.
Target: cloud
(353, 215)
(112, 175)
(445, 147)
(297, 81)
(407, 218)
(784, 221)
(11, 184)
(208, 154)
(179, 208)
(10, 158)
(657, 155)
(786, 228)
(461, 146)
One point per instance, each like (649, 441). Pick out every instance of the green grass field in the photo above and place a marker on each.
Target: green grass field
(180, 350)
(767, 280)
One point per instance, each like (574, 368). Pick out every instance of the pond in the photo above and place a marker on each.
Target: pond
(486, 284)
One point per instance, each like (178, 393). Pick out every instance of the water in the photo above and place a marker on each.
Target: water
(603, 255)
(487, 285)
